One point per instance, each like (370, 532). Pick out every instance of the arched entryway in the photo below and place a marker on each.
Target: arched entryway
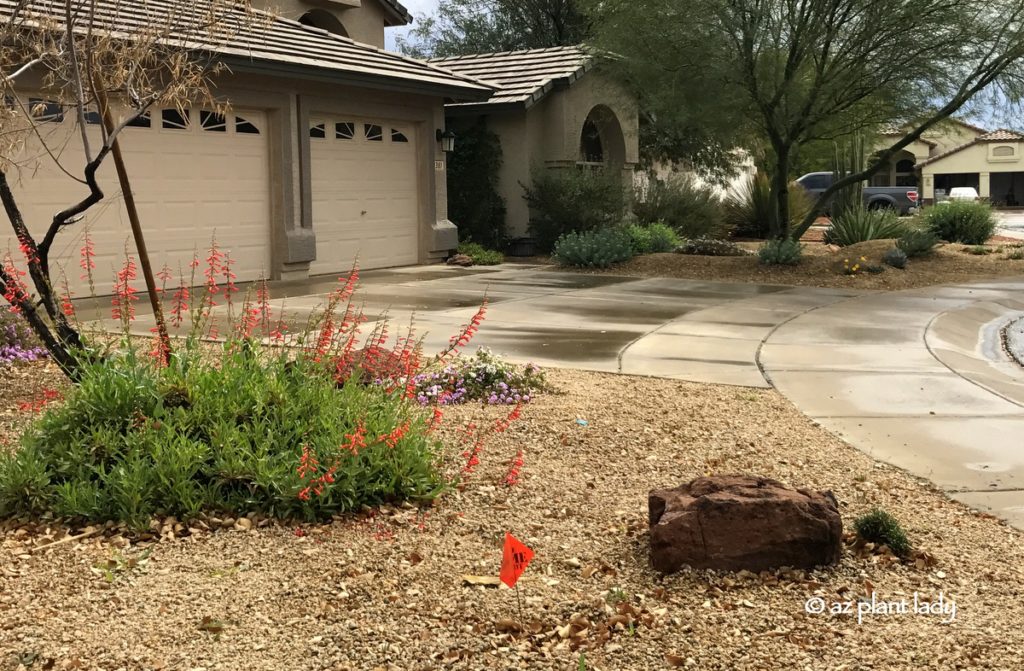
(321, 18)
(602, 142)
(900, 171)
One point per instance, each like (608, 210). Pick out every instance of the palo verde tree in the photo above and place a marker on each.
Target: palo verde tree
(104, 61)
(796, 72)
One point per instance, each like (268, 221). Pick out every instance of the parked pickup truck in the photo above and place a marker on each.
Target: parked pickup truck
(902, 199)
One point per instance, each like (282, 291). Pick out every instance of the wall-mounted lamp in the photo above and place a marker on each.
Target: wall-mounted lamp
(446, 139)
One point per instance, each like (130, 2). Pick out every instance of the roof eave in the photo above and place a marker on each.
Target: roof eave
(468, 93)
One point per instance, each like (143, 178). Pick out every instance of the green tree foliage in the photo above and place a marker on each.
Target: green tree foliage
(565, 201)
(789, 73)
(474, 203)
(479, 26)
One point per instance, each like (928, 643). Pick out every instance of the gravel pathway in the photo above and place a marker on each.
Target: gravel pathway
(386, 590)
(1015, 340)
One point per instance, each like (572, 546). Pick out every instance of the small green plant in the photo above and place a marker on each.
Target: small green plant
(615, 596)
(568, 201)
(750, 208)
(678, 201)
(480, 255)
(656, 238)
(121, 564)
(582, 664)
(917, 242)
(1015, 255)
(594, 249)
(881, 528)
(895, 258)
(858, 224)
(780, 252)
(855, 266)
(979, 250)
(711, 247)
(967, 222)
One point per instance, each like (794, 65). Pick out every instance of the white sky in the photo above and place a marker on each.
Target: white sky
(416, 8)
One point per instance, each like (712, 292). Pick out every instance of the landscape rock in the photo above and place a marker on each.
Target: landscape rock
(460, 260)
(741, 522)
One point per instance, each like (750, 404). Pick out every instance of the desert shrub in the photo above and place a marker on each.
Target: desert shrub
(481, 256)
(978, 250)
(233, 435)
(896, 258)
(917, 242)
(961, 221)
(573, 201)
(694, 211)
(17, 342)
(858, 224)
(1015, 255)
(780, 252)
(483, 377)
(750, 208)
(710, 247)
(656, 238)
(474, 203)
(881, 528)
(599, 248)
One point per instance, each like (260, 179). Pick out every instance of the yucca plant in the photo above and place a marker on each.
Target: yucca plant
(750, 208)
(858, 224)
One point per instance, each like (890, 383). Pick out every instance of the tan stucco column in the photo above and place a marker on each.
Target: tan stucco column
(928, 187)
(984, 185)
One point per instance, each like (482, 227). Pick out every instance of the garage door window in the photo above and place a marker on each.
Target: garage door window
(374, 133)
(398, 136)
(317, 131)
(213, 122)
(173, 119)
(345, 130)
(245, 127)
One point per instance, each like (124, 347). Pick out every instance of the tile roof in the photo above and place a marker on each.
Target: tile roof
(521, 77)
(1000, 135)
(269, 43)
(399, 10)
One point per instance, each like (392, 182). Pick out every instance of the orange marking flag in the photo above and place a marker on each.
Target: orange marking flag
(514, 560)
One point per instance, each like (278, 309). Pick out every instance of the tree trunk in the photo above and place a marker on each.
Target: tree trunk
(780, 190)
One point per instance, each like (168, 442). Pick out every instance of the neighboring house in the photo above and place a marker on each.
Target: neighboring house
(992, 163)
(330, 152)
(550, 111)
(902, 169)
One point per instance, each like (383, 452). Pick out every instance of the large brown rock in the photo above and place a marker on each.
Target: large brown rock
(741, 522)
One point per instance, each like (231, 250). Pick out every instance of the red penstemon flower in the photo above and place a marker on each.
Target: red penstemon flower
(28, 250)
(391, 439)
(165, 275)
(262, 309)
(41, 400)
(355, 441)
(465, 335)
(125, 295)
(511, 478)
(87, 261)
(308, 463)
(15, 290)
(179, 303)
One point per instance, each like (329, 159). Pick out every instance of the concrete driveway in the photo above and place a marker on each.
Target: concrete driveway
(915, 378)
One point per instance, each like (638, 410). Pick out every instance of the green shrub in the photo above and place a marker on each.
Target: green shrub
(961, 221)
(227, 435)
(979, 250)
(781, 252)
(896, 258)
(480, 255)
(656, 238)
(599, 248)
(567, 201)
(1015, 255)
(474, 203)
(917, 242)
(694, 211)
(881, 528)
(859, 224)
(708, 247)
(750, 208)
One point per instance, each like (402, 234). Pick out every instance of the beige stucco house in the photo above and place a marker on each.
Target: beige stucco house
(329, 152)
(550, 111)
(992, 163)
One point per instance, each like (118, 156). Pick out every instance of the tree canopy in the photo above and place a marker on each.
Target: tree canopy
(791, 73)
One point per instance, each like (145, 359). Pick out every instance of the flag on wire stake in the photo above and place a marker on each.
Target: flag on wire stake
(515, 558)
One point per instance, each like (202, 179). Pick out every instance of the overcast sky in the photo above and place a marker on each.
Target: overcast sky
(417, 8)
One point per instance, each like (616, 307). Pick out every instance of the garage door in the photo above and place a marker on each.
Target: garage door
(195, 174)
(365, 193)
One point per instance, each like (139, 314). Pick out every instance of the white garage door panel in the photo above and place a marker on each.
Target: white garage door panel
(365, 196)
(189, 184)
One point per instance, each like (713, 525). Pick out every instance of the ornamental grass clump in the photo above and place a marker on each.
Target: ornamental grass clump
(289, 425)
(881, 528)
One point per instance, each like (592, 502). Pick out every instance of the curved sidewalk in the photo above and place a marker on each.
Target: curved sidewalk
(917, 379)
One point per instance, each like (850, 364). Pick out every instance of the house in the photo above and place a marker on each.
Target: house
(330, 150)
(550, 110)
(992, 163)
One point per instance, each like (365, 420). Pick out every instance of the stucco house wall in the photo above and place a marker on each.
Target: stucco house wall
(364, 20)
(986, 161)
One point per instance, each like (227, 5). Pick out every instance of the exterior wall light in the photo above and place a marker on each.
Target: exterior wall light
(446, 139)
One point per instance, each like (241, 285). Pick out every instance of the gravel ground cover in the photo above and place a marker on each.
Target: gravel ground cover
(822, 267)
(388, 589)
(1013, 337)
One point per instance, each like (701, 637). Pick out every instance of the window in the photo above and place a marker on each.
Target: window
(591, 148)
(373, 132)
(906, 165)
(45, 110)
(1002, 151)
(245, 127)
(143, 121)
(398, 136)
(345, 130)
(212, 121)
(93, 117)
(174, 119)
(817, 181)
(317, 131)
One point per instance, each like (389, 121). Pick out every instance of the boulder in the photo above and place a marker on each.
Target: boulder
(739, 522)
(460, 260)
